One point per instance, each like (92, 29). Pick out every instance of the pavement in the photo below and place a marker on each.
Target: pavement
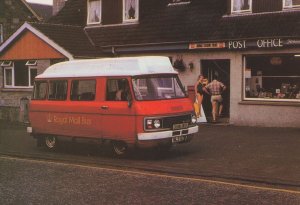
(250, 154)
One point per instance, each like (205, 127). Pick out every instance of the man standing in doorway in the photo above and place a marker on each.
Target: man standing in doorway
(215, 89)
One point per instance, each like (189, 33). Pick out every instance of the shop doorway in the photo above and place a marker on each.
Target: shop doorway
(220, 68)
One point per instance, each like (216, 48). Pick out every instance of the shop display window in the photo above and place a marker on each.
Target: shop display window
(272, 78)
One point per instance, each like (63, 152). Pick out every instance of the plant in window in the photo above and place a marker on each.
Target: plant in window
(179, 64)
(130, 10)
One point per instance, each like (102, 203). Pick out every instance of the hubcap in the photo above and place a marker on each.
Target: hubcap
(50, 142)
(119, 148)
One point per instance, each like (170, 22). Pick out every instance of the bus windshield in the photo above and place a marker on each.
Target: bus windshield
(157, 87)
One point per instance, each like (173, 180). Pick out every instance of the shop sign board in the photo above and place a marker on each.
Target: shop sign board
(247, 44)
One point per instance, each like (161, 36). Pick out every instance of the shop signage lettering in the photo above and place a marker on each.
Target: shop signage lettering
(269, 43)
(260, 43)
(247, 44)
(236, 44)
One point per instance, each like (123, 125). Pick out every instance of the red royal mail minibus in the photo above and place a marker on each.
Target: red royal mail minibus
(128, 102)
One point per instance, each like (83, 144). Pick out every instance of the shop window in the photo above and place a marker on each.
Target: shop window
(239, 6)
(272, 78)
(291, 3)
(130, 10)
(94, 12)
(39, 90)
(58, 90)
(83, 90)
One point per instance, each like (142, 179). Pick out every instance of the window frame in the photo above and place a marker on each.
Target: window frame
(241, 11)
(5, 68)
(30, 68)
(290, 7)
(124, 12)
(247, 99)
(88, 13)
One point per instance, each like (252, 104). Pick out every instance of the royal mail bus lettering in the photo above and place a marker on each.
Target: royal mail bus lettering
(127, 102)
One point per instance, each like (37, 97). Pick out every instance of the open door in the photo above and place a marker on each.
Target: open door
(221, 68)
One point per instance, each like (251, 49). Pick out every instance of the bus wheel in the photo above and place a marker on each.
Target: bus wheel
(51, 142)
(119, 148)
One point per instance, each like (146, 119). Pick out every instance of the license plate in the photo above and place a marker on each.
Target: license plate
(180, 126)
(178, 139)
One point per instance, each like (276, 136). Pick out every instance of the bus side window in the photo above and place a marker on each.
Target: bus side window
(83, 90)
(117, 89)
(58, 90)
(39, 90)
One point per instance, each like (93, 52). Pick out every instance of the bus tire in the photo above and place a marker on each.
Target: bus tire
(50, 142)
(119, 148)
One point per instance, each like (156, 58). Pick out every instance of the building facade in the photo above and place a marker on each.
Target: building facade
(252, 45)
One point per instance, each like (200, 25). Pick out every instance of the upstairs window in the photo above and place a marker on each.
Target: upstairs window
(291, 3)
(1, 33)
(94, 12)
(130, 10)
(239, 6)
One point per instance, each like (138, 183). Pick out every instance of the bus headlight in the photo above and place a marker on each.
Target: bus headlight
(153, 124)
(194, 119)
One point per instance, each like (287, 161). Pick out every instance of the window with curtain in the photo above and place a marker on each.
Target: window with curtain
(94, 12)
(130, 10)
(241, 6)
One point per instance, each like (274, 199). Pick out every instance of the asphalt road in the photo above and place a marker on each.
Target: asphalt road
(25, 181)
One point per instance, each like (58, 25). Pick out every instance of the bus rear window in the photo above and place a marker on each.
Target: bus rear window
(39, 90)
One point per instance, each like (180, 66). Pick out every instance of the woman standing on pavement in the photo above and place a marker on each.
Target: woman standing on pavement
(200, 83)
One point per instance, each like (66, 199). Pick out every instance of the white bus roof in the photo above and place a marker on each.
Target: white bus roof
(125, 66)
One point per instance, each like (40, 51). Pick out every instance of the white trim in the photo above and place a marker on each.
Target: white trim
(6, 63)
(136, 12)
(31, 63)
(12, 77)
(165, 134)
(40, 35)
(241, 11)
(88, 13)
(30, 84)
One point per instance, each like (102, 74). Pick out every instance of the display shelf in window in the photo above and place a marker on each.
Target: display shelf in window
(264, 80)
